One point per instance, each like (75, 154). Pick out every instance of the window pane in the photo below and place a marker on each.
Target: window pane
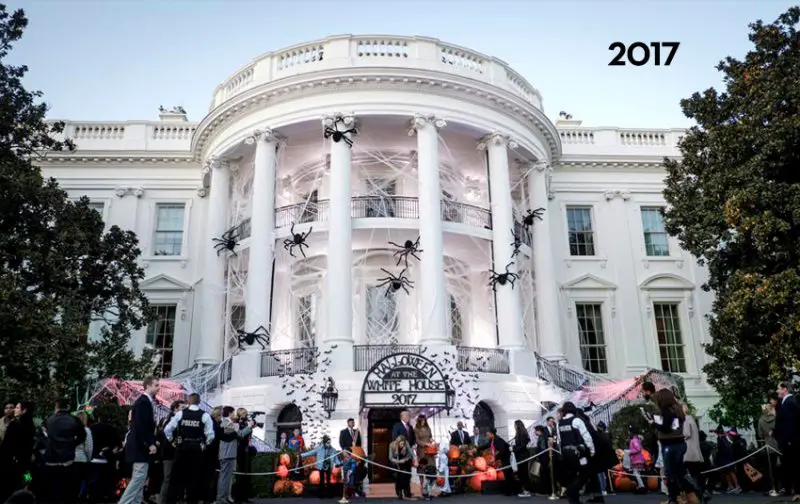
(656, 241)
(581, 234)
(306, 321)
(670, 340)
(168, 239)
(161, 335)
(591, 337)
(97, 206)
(382, 324)
(456, 323)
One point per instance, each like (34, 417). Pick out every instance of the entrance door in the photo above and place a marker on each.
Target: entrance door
(379, 430)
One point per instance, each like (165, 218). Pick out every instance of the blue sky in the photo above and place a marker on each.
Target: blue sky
(121, 59)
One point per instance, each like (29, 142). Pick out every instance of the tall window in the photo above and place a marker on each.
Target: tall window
(168, 240)
(581, 233)
(381, 202)
(591, 337)
(670, 340)
(656, 243)
(307, 320)
(238, 314)
(456, 323)
(161, 335)
(98, 206)
(382, 325)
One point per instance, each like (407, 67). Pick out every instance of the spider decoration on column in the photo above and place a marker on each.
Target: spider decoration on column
(409, 248)
(503, 278)
(260, 336)
(340, 134)
(395, 283)
(517, 243)
(297, 240)
(531, 216)
(228, 241)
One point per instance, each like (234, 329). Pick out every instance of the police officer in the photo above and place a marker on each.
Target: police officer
(577, 448)
(190, 430)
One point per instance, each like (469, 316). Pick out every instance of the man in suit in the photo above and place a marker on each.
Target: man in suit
(787, 433)
(141, 441)
(459, 437)
(502, 454)
(477, 438)
(404, 428)
(349, 437)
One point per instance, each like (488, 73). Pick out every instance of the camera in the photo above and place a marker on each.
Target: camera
(251, 417)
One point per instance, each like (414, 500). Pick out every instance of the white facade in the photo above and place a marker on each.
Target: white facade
(452, 147)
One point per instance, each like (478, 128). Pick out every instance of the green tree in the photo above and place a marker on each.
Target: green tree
(734, 203)
(60, 270)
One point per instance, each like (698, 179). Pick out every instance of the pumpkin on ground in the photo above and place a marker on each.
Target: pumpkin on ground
(279, 488)
(491, 474)
(313, 478)
(297, 488)
(648, 459)
(479, 463)
(440, 481)
(476, 482)
(282, 471)
(284, 459)
(624, 484)
(359, 452)
(453, 453)
(501, 476)
(653, 483)
(490, 461)
(431, 449)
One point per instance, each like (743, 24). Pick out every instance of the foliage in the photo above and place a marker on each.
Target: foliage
(262, 485)
(734, 203)
(61, 270)
(631, 416)
(113, 413)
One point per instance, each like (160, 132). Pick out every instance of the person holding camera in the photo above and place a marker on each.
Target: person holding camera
(190, 430)
(244, 456)
(577, 448)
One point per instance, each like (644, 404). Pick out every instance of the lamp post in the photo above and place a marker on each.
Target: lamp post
(330, 396)
(449, 395)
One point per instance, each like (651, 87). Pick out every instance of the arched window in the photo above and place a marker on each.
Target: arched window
(289, 419)
(483, 417)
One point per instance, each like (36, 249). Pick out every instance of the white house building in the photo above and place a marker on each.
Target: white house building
(344, 201)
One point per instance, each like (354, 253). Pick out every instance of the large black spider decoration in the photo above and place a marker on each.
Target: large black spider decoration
(409, 248)
(517, 243)
(503, 278)
(297, 240)
(531, 216)
(339, 134)
(228, 241)
(395, 283)
(260, 336)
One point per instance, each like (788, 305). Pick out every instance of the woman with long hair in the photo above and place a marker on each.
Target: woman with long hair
(521, 441)
(669, 428)
(422, 432)
(402, 456)
(16, 450)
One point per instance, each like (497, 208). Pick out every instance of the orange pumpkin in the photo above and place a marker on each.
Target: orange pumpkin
(313, 478)
(431, 449)
(453, 453)
(359, 452)
(284, 459)
(282, 471)
(648, 459)
(652, 483)
(297, 488)
(491, 474)
(476, 482)
(480, 463)
(440, 481)
(623, 484)
(309, 461)
(336, 471)
(280, 487)
(489, 459)
(501, 476)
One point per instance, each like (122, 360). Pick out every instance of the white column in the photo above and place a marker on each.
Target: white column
(508, 306)
(258, 292)
(551, 344)
(213, 287)
(338, 277)
(433, 299)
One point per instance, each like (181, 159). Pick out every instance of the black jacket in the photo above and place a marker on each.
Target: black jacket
(346, 440)
(105, 437)
(400, 430)
(143, 431)
(502, 451)
(787, 422)
(17, 445)
(455, 438)
(64, 433)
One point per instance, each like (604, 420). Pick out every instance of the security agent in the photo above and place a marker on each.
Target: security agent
(190, 430)
(577, 448)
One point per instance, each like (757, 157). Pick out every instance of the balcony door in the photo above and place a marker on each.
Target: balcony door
(380, 198)
(309, 207)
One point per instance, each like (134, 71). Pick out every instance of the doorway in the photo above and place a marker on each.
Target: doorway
(379, 433)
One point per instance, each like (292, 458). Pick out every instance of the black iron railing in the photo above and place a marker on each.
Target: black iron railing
(461, 213)
(384, 207)
(301, 213)
(559, 375)
(289, 362)
(366, 356)
(483, 360)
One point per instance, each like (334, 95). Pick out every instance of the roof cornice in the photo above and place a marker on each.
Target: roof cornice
(117, 157)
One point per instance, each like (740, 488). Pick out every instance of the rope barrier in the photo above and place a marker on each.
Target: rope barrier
(624, 473)
(294, 469)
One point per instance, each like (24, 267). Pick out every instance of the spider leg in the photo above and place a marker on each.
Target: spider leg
(287, 243)
(291, 250)
(383, 281)
(291, 229)
(404, 288)
(388, 273)
(414, 255)
(400, 259)
(396, 245)
(300, 246)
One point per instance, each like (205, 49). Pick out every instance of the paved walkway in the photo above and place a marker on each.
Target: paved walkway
(752, 498)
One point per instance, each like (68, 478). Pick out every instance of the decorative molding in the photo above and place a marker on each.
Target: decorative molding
(263, 135)
(162, 282)
(115, 158)
(623, 194)
(589, 282)
(121, 192)
(676, 260)
(305, 85)
(330, 119)
(138, 192)
(615, 164)
(420, 121)
(202, 192)
(666, 281)
(542, 167)
(498, 140)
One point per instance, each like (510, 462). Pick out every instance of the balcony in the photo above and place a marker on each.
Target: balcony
(483, 360)
(289, 362)
(559, 375)
(385, 207)
(470, 359)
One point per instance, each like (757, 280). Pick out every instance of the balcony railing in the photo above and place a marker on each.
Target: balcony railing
(366, 356)
(559, 375)
(289, 362)
(483, 360)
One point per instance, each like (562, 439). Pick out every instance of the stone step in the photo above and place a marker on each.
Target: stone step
(386, 491)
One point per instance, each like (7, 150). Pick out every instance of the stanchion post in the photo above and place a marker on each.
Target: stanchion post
(552, 478)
